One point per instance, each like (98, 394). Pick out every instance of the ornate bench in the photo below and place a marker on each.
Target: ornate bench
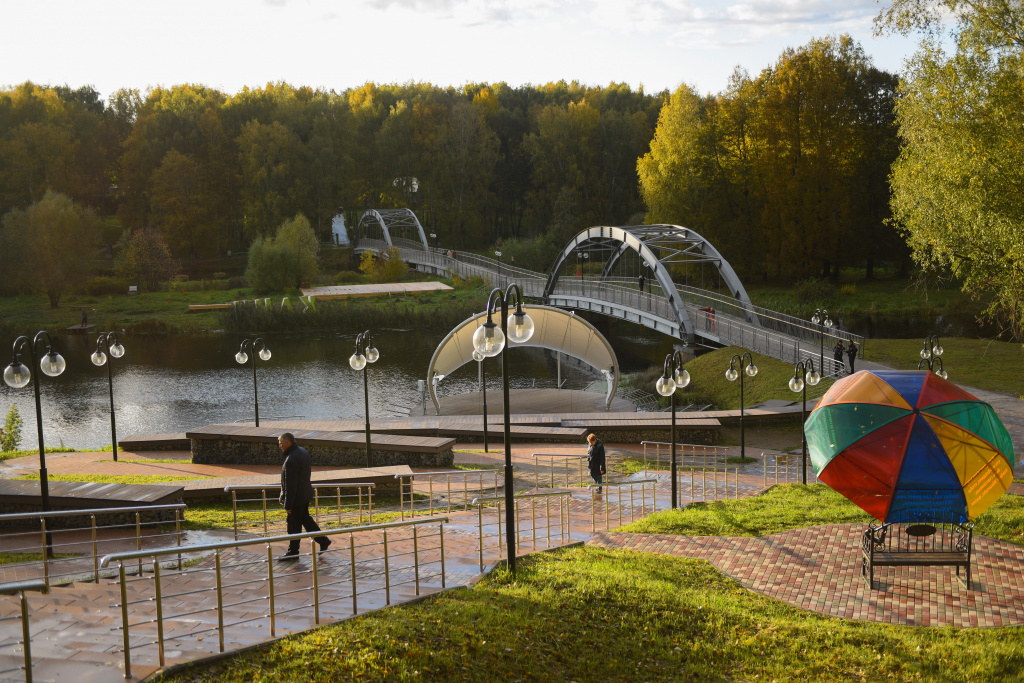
(918, 543)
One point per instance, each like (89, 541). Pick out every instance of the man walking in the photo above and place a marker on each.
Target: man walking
(851, 353)
(596, 460)
(296, 492)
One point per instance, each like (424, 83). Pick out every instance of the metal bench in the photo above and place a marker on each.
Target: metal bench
(918, 543)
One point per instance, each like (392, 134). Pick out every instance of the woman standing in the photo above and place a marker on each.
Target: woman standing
(595, 459)
(837, 353)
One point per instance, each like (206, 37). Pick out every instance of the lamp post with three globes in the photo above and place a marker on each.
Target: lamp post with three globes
(930, 356)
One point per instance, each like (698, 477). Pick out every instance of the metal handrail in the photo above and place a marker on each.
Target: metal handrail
(258, 487)
(317, 488)
(160, 552)
(91, 511)
(564, 527)
(16, 588)
(716, 450)
(462, 477)
(551, 456)
(598, 490)
(156, 553)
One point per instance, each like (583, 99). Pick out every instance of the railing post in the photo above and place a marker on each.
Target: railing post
(138, 537)
(416, 558)
(387, 572)
(480, 532)
(46, 553)
(533, 523)
(124, 621)
(265, 532)
(177, 533)
(26, 634)
(220, 599)
(270, 590)
(159, 610)
(440, 528)
(95, 550)
(234, 511)
(316, 584)
(352, 554)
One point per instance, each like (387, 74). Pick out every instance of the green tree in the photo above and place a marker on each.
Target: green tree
(57, 234)
(271, 266)
(145, 259)
(10, 436)
(297, 238)
(957, 186)
(387, 266)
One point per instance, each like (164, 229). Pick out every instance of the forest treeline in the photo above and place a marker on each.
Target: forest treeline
(786, 172)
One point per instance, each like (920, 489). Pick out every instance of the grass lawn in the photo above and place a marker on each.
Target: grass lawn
(980, 363)
(587, 614)
(709, 385)
(11, 455)
(794, 506)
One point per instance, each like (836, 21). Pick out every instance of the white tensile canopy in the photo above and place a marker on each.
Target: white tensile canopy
(555, 329)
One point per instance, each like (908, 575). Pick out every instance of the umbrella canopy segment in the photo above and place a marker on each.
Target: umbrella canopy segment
(905, 444)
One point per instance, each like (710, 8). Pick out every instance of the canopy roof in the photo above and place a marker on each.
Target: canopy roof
(555, 329)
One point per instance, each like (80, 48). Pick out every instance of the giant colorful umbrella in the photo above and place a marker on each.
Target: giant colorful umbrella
(909, 444)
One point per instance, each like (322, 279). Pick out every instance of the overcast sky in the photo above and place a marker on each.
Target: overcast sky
(336, 44)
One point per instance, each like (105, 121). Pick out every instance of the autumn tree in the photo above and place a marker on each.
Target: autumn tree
(956, 188)
(55, 235)
(145, 259)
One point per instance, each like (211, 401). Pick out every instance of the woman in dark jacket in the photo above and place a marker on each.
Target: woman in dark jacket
(595, 459)
(837, 353)
(851, 353)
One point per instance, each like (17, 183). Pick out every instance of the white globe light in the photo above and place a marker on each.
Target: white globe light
(242, 357)
(52, 364)
(372, 354)
(941, 373)
(751, 370)
(681, 378)
(520, 327)
(99, 358)
(665, 386)
(477, 356)
(796, 384)
(17, 375)
(828, 321)
(489, 340)
(925, 353)
(357, 361)
(938, 350)
(815, 319)
(264, 353)
(731, 374)
(117, 350)
(813, 377)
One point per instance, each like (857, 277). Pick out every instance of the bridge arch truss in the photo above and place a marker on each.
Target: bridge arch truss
(394, 227)
(659, 247)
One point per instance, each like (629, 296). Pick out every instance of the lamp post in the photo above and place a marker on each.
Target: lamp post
(16, 376)
(673, 377)
(365, 353)
(489, 340)
(497, 255)
(479, 358)
(821, 319)
(433, 236)
(801, 378)
(747, 367)
(258, 346)
(930, 356)
(107, 344)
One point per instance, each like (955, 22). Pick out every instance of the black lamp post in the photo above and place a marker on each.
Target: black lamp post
(801, 378)
(747, 367)
(365, 353)
(107, 344)
(673, 377)
(16, 376)
(821, 319)
(489, 340)
(254, 347)
(930, 356)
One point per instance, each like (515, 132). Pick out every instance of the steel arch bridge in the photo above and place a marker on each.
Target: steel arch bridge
(394, 227)
(659, 246)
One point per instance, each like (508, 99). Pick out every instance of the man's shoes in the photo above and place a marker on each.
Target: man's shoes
(288, 556)
(325, 544)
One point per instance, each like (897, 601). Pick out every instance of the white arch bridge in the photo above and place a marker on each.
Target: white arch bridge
(599, 269)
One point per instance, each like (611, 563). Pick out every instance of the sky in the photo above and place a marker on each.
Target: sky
(338, 44)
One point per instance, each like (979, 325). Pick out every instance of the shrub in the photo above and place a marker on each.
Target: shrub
(348, 277)
(10, 438)
(146, 260)
(237, 282)
(104, 285)
(850, 289)
(385, 267)
(815, 291)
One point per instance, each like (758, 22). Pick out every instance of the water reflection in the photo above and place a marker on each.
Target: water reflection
(172, 384)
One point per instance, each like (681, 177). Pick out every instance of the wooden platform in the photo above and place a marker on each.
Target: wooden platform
(207, 489)
(321, 437)
(23, 495)
(349, 291)
(199, 308)
(155, 442)
(532, 401)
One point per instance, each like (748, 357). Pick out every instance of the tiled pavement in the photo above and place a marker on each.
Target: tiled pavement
(818, 569)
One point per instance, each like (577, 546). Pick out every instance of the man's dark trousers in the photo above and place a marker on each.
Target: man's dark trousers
(299, 519)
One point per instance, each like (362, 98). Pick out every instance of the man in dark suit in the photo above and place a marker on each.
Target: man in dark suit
(296, 492)
(596, 460)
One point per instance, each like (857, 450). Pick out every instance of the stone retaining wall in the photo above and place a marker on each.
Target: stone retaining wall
(228, 452)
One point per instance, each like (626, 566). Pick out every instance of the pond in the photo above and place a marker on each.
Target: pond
(176, 383)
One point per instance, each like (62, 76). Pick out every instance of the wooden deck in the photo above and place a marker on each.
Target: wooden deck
(311, 436)
(214, 488)
(85, 495)
(532, 401)
(154, 442)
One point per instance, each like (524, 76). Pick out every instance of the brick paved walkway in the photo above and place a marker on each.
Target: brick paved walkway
(818, 569)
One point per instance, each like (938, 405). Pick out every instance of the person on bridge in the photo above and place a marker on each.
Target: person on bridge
(595, 460)
(296, 492)
(837, 353)
(851, 353)
(641, 281)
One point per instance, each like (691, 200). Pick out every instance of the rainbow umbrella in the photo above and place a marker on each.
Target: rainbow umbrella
(909, 444)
